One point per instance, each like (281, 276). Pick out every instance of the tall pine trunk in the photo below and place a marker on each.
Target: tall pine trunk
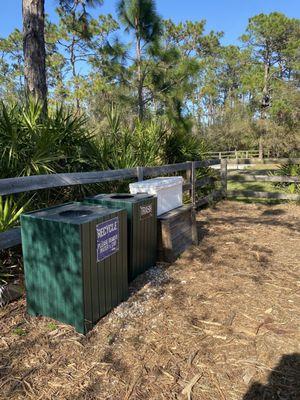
(34, 50)
(74, 73)
(139, 72)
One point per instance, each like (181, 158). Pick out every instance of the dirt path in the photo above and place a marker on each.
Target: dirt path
(220, 323)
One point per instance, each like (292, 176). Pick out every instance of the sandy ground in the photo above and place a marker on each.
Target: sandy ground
(220, 323)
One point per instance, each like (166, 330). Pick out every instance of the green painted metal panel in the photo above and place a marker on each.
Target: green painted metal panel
(63, 278)
(141, 225)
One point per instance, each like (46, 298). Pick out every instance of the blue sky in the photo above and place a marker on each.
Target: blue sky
(229, 16)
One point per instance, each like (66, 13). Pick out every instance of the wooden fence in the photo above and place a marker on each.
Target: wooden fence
(188, 169)
(258, 177)
(236, 154)
(232, 154)
(12, 186)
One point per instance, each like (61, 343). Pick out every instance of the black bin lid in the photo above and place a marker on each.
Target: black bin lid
(76, 213)
(123, 196)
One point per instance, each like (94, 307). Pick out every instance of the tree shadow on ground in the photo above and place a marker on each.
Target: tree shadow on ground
(283, 381)
(272, 212)
(264, 219)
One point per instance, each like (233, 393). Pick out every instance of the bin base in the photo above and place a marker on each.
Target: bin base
(176, 232)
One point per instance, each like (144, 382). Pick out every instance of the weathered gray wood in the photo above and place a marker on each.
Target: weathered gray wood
(176, 232)
(232, 154)
(165, 169)
(263, 178)
(37, 182)
(169, 215)
(140, 173)
(193, 183)
(206, 180)
(223, 175)
(10, 238)
(213, 196)
(206, 163)
(189, 179)
(263, 195)
(251, 161)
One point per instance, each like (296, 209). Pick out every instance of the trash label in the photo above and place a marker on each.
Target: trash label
(146, 211)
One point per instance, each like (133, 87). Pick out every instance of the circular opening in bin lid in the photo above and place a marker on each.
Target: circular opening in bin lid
(76, 213)
(122, 196)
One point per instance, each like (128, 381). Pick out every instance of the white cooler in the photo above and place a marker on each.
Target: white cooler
(167, 189)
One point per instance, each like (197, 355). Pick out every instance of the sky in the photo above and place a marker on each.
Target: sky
(229, 16)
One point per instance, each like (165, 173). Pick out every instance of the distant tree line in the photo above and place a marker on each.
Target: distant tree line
(229, 96)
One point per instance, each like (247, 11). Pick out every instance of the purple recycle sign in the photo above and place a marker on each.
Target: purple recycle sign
(107, 238)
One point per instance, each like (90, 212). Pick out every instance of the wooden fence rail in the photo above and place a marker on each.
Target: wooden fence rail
(264, 178)
(12, 186)
(253, 161)
(232, 154)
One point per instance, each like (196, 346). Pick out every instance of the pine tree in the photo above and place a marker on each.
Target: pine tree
(141, 18)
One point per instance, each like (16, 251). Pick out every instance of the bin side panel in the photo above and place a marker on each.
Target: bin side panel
(86, 274)
(70, 280)
(106, 281)
(95, 294)
(123, 255)
(144, 237)
(52, 261)
(153, 235)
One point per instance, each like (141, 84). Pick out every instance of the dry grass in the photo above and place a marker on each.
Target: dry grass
(220, 323)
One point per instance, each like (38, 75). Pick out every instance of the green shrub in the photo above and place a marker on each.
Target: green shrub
(35, 145)
(289, 169)
(121, 145)
(9, 212)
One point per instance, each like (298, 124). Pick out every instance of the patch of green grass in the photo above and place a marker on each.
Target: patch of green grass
(19, 331)
(255, 186)
(51, 326)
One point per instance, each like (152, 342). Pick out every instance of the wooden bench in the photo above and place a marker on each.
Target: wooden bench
(176, 232)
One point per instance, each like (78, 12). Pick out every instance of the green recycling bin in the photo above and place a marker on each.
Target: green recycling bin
(75, 260)
(142, 227)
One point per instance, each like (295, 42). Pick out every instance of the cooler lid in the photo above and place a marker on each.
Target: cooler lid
(157, 183)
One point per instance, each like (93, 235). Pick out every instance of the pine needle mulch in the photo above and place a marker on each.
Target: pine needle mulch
(220, 323)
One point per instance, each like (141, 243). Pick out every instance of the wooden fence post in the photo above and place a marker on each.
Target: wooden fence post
(191, 178)
(140, 173)
(193, 183)
(223, 175)
(193, 199)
